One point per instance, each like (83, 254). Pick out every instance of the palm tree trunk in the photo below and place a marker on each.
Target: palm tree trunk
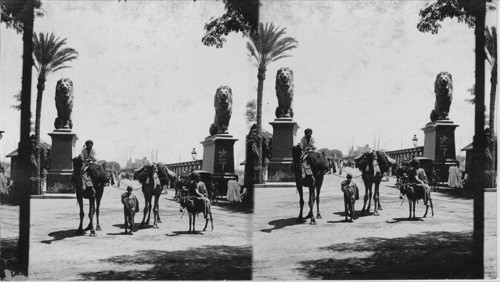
(260, 89)
(22, 182)
(493, 94)
(39, 96)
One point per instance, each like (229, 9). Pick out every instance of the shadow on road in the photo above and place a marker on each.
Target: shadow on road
(428, 255)
(280, 223)
(398, 219)
(234, 207)
(185, 232)
(357, 214)
(136, 226)
(206, 263)
(453, 193)
(61, 235)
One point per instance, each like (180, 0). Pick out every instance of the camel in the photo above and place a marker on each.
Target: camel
(99, 178)
(313, 182)
(373, 165)
(152, 177)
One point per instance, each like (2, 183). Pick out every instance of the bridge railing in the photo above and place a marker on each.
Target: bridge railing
(185, 167)
(406, 154)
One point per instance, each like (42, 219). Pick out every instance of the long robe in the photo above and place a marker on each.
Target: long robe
(454, 177)
(233, 191)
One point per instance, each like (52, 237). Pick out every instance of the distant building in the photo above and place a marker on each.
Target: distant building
(359, 150)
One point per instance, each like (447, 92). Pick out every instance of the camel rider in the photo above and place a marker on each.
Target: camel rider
(89, 156)
(307, 143)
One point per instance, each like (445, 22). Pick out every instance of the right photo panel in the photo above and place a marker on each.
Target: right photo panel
(373, 155)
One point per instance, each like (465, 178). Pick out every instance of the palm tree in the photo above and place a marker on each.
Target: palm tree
(491, 57)
(266, 46)
(49, 56)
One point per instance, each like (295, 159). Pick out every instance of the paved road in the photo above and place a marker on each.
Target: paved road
(168, 252)
(373, 247)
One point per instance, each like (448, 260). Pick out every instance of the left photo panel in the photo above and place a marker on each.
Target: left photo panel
(123, 128)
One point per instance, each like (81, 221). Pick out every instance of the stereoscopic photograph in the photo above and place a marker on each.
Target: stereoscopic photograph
(248, 140)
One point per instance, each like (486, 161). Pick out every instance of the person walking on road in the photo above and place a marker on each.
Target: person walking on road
(454, 177)
(233, 190)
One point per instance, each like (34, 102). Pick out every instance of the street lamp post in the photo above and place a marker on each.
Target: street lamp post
(415, 141)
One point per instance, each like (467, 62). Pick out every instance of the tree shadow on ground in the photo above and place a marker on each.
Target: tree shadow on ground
(453, 193)
(234, 207)
(428, 255)
(281, 223)
(61, 235)
(205, 263)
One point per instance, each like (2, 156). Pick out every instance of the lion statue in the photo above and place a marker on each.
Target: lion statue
(223, 103)
(284, 92)
(443, 87)
(64, 103)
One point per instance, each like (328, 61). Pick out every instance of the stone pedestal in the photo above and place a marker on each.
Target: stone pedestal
(439, 145)
(284, 137)
(61, 167)
(218, 155)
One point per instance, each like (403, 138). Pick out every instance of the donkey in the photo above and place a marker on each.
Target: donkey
(194, 206)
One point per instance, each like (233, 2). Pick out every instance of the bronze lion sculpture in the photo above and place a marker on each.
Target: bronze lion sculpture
(64, 103)
(223, 103)
(284, 92)
(443, 88)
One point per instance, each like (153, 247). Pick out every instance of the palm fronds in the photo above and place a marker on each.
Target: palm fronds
(50, 55)
(269, 44)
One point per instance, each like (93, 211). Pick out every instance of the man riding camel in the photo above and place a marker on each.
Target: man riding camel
(89, 156)
(307, 143)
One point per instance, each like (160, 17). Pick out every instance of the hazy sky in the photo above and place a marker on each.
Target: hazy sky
(143, 77)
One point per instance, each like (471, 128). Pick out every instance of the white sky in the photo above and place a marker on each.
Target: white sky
(143, 77)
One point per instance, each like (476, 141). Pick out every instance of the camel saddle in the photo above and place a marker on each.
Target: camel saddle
(87, 182)
(306, 169)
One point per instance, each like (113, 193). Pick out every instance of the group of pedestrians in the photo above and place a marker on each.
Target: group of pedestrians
(235, 193)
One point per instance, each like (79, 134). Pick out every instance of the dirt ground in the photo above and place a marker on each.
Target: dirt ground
(166, 253)
(373, 247)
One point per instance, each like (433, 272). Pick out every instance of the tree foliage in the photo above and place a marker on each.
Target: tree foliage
(462, 10)
(334, 153)
(50, 55)
(11, 13)
(269, 45)
(241, 16)
(112, 165)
